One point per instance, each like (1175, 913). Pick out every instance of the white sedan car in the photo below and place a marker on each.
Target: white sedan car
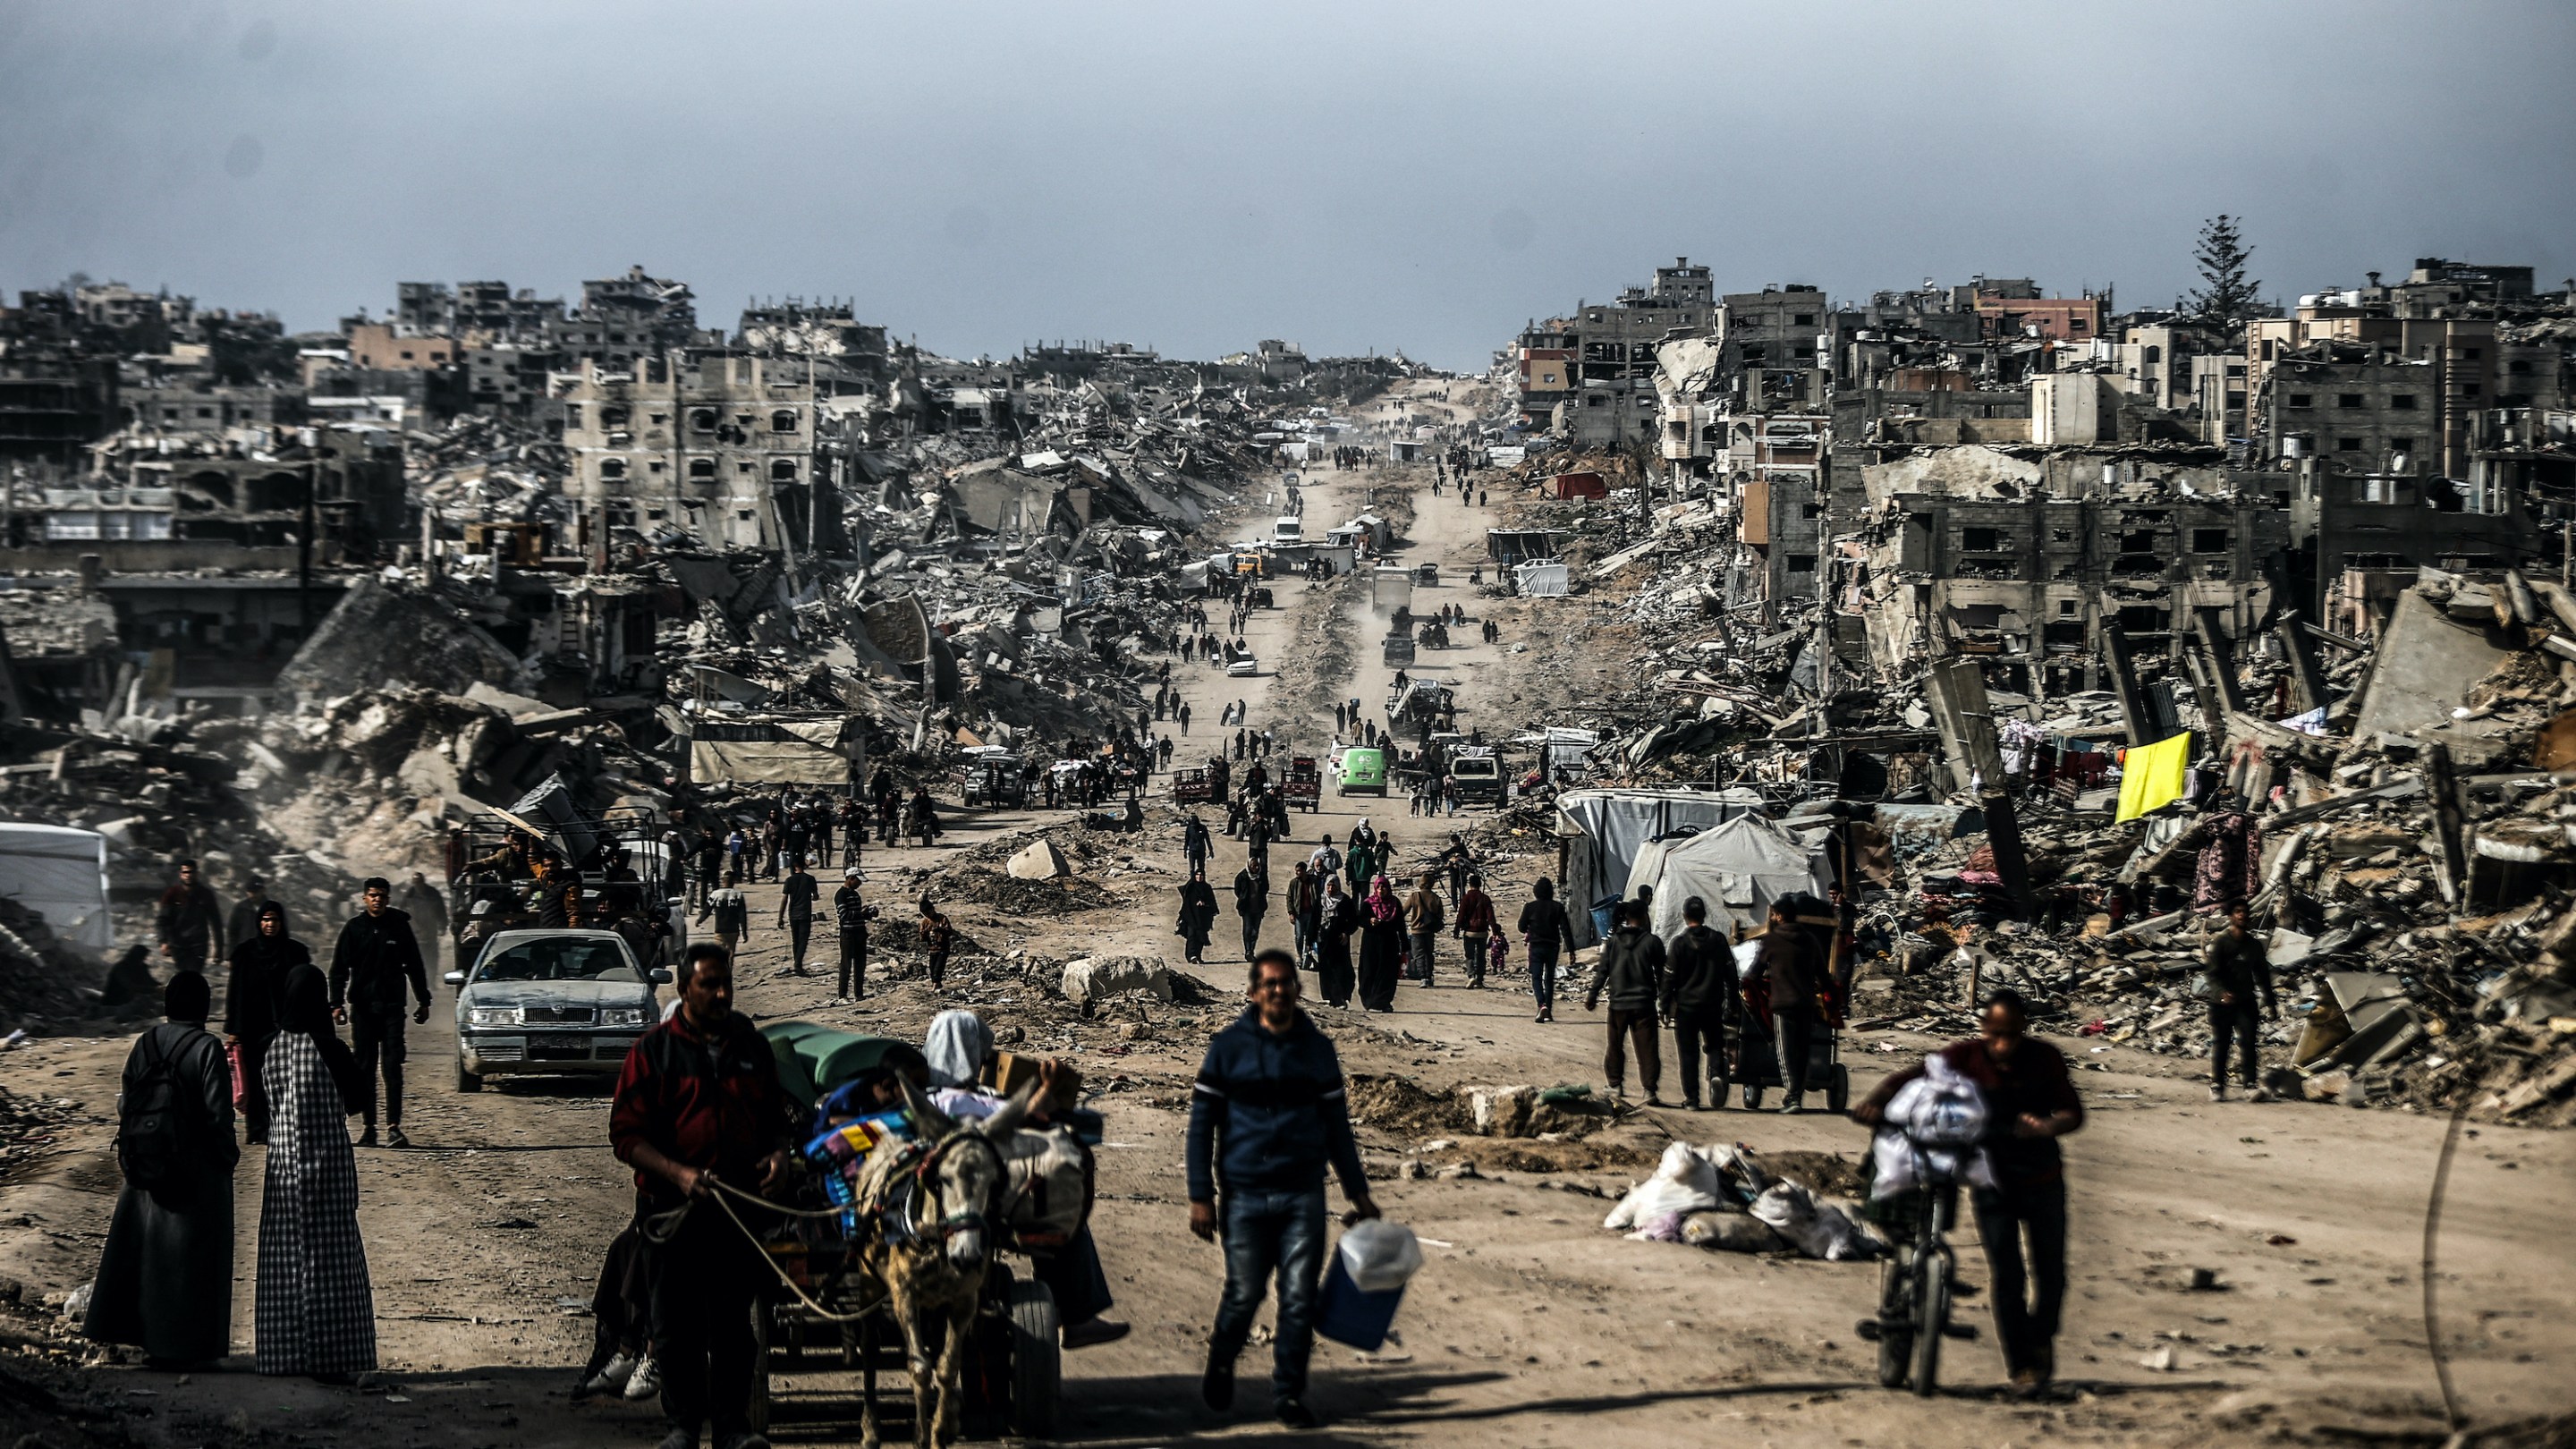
(550, 1003)
(1244, 668)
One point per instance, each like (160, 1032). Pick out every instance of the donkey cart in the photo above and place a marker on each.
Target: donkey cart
(1013, 1366)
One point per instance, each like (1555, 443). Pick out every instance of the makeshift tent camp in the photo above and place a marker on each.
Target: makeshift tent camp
(1603, 830)
(60, 873)
(1738, 868)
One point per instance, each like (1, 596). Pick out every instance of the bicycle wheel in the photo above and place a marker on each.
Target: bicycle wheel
(1895, 1343)
(1931, 1315)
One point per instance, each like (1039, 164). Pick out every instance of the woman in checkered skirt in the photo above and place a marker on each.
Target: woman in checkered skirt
(316, 1311)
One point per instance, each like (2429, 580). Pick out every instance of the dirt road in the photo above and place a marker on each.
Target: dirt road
(1530, 1325)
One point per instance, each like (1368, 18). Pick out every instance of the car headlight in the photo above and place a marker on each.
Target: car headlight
(492, 1016)
(622, 1016)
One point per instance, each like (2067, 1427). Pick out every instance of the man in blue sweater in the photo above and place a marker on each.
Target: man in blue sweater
(1268, 1113)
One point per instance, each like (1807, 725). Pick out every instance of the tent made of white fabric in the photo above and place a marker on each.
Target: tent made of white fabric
(1606, 830)
(1738, 868)
(62, 874)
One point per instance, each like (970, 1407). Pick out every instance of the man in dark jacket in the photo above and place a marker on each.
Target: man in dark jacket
(2030, 1103)
(188, 920)
(1251, 903)
(697, 1104)
(1792, 972)
(1544, 926)
(2239, 964)
(851, 915)
(1268, 1113)
(1475, 926)
(1632, 972)
(1699, 991)
(259, 969)
(376, 958)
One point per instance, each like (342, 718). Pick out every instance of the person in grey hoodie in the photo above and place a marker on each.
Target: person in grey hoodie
(1632, 970)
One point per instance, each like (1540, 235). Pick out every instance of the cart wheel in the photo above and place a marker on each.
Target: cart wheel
(1037, 1360)
(1752, 1096)
(760, 1333)
(1838, 1088)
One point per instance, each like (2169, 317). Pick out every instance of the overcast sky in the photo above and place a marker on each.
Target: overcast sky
(1197, 176)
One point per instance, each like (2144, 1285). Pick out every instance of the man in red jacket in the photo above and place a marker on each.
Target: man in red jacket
(699, 1104)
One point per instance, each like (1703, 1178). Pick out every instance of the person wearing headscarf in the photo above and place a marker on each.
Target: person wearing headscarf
(1197, 917)
(1381, 946)
(315, 1312)
(957, 1046)
(1336, 916)
(165, 1281)
(259, 967)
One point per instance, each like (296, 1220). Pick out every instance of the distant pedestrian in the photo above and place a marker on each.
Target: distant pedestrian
(852, 914)
(1423, 918)
(1475, 927)
(2238, 965)
(1788, 978)
(1544, 927)
(732, 912)
(165, 1279)
(372, 964)
(1381, 945)
(188, 920)
(1631, 972)
(938, 938)
(796, 898)
(243, 922)
(259, 969)
(1699, 994)
(1197, 916)
(1251, 903)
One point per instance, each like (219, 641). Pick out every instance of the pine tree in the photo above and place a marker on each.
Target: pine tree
(2226, 296)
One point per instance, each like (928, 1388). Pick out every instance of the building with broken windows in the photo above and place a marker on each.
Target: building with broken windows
(715, 445)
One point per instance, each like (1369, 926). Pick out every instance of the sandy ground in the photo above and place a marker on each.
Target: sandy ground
(1530, 1325)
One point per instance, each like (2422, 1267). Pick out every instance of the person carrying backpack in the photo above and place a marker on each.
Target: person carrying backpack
(165, 1280)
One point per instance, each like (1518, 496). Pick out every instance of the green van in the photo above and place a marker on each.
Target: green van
(1363, 772)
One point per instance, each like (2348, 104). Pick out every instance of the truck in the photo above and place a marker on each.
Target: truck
(1391, 590)
(1303, 784)
(1397, 650)
(1479, 775)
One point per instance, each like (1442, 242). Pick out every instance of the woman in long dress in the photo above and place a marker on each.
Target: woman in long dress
(1335, 918)
(316, 1310)
(165, 1280)
(1197, 918)
(1381, 946)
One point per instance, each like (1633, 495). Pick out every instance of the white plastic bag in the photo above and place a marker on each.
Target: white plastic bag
(1380, 1256)
(1941, 1108)
(1684, 1182)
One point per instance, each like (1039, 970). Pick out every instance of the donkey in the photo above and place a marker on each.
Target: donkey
(932, 1246)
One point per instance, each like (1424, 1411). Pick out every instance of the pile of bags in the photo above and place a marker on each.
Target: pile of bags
(1717, 1197)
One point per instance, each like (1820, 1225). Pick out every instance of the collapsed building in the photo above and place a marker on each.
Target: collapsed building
(1923, 573)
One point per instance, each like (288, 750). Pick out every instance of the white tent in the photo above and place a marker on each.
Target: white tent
(1738, 868)
(1542, 580)
(1603, 830)
(61, 873)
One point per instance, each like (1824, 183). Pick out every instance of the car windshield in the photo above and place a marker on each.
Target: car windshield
(567, 960)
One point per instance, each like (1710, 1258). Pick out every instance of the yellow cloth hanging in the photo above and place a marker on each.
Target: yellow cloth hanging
(2151, 775)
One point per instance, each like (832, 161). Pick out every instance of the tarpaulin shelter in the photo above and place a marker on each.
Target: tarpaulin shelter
(1541, 580)
(1601, 833)
(61, 874)
(775, 751)
(814, 1059)
(1738, 868)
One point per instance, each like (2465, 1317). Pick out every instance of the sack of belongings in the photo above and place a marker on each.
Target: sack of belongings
(1817, 1229)
(1685, 1182)
(1932, 1129)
